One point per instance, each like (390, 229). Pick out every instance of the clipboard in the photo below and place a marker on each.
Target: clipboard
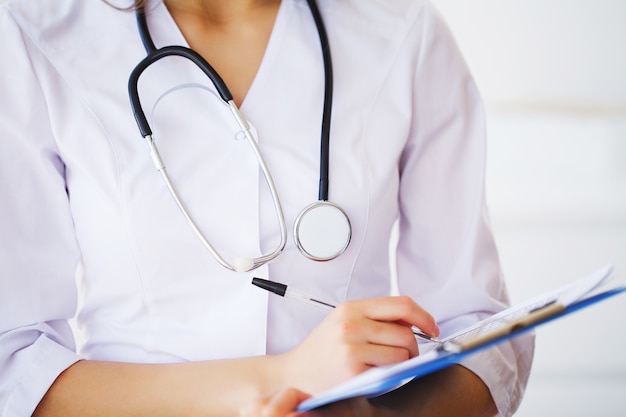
(498, 328)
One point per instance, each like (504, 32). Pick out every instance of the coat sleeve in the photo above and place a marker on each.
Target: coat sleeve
(39, 254)
(447, 258)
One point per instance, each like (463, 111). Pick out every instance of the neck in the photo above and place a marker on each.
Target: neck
(215, 11)
(230, 34)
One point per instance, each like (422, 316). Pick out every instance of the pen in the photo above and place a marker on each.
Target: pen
(288, 292)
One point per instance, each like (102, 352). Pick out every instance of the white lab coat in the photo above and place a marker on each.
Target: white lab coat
(82, 203)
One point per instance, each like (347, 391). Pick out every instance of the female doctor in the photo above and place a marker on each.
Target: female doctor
(156, 264)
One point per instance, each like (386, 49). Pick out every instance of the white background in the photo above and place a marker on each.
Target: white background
(553, 74)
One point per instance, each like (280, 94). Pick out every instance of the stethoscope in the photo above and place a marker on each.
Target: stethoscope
(322, 231)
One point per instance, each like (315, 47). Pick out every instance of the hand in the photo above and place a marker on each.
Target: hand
(352, 407)
(356, 336)
(281, 404)
(284, 403)
(453, 391)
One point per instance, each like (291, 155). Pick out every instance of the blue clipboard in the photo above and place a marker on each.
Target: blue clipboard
(378, 381)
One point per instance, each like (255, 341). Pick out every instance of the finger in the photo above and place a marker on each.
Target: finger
(397, 309)
(283, 402)
(378, 355)
(392, 335)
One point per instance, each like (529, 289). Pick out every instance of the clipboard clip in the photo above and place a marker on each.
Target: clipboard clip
(533, 317)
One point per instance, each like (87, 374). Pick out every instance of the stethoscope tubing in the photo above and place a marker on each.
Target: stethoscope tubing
(154, 54)
(328, 102)
(239, 267)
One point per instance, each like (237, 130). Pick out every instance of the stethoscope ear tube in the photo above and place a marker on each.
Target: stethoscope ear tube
(158, 162)
(241, 264)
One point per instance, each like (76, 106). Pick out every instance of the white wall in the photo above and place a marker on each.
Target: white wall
(552, 75)
(556, 51)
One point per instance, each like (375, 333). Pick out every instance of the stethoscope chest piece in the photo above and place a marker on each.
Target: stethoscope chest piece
(322, 231)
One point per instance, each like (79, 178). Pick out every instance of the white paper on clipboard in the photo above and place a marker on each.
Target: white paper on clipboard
(564, 296)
